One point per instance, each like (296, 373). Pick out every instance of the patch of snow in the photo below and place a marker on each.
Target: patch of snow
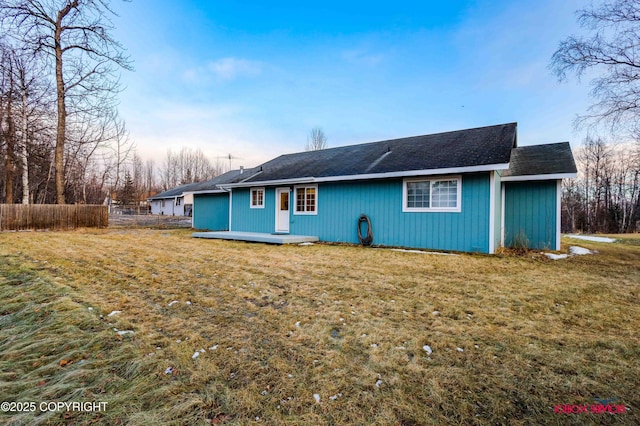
(90, 308)
(173, 303)
(189, 302)
(124, 332)
(374, 345)
(113, 313)
(297, 324)
(306, 244)
(316, 397)
(334, 397)
(459, 349)
(378, 383)
(427, 349)
(556, 256)
(435, 313)
(213, 348)
(195, 355)
(591, 238)
(364, 335)
(575, 250)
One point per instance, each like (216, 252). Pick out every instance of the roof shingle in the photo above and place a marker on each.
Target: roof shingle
(548, 159)
(463, 148)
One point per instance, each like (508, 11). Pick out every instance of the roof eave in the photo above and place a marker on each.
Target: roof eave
(207, 191)
(387, 175)
(551, 176)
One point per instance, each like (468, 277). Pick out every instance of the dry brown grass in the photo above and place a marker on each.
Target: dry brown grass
(346, 323)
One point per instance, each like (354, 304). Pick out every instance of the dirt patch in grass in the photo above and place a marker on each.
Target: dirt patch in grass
(313, 334)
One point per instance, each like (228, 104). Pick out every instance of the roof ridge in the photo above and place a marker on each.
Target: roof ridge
(386, 141)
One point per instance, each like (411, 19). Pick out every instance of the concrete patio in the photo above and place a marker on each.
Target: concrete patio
(256, 237)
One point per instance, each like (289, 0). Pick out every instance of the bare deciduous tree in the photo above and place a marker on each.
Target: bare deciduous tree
(316, 140)
(606, 195)
(75, 34)
(613, 51)
(186, 166)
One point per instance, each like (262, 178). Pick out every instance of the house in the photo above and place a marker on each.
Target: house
(213, 201)
(469, 190)
(173, 202)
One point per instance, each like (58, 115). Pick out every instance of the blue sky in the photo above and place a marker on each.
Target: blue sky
(252, 78)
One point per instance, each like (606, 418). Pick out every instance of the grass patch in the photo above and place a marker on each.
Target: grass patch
(279, 324)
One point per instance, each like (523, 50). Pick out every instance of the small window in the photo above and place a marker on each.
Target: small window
(257, 198)
(178, 201)
(162, 203)
(306, 200)
(432, 195)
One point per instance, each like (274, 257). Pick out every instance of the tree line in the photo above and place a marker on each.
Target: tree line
(605, 196)
(61, 137)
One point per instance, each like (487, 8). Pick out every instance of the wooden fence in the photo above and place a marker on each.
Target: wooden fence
(17, 217)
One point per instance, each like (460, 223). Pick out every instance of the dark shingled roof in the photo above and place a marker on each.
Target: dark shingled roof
(232, 176)
(553, 158)
(462, 148)
(173, 192)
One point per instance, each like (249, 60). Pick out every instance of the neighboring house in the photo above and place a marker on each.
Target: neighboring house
(469, 190)
(173, 202)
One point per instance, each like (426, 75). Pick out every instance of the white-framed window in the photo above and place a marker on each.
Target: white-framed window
(436, 194)
(257, 198)
(306, 199)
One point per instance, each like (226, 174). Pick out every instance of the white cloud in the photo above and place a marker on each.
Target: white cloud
(231, 68)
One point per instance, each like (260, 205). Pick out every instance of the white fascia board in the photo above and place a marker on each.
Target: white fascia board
(558, 213)
(268, 182)
(405, 173)
(539, 177)
(492, 213)
(170, 197)
(409, 173)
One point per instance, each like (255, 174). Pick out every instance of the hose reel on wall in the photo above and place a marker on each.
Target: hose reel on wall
(367, 240)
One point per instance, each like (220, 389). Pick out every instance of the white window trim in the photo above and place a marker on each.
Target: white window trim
(456, 209)
(257, 206)
(295, 200)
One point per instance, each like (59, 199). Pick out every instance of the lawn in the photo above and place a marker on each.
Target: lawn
(220, 332)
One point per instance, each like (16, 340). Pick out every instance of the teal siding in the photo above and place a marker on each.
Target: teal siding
(211, 212)
(530, 211)
(246, 219)
(341, 204)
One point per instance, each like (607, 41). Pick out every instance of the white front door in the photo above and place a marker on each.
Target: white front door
(282, 210)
